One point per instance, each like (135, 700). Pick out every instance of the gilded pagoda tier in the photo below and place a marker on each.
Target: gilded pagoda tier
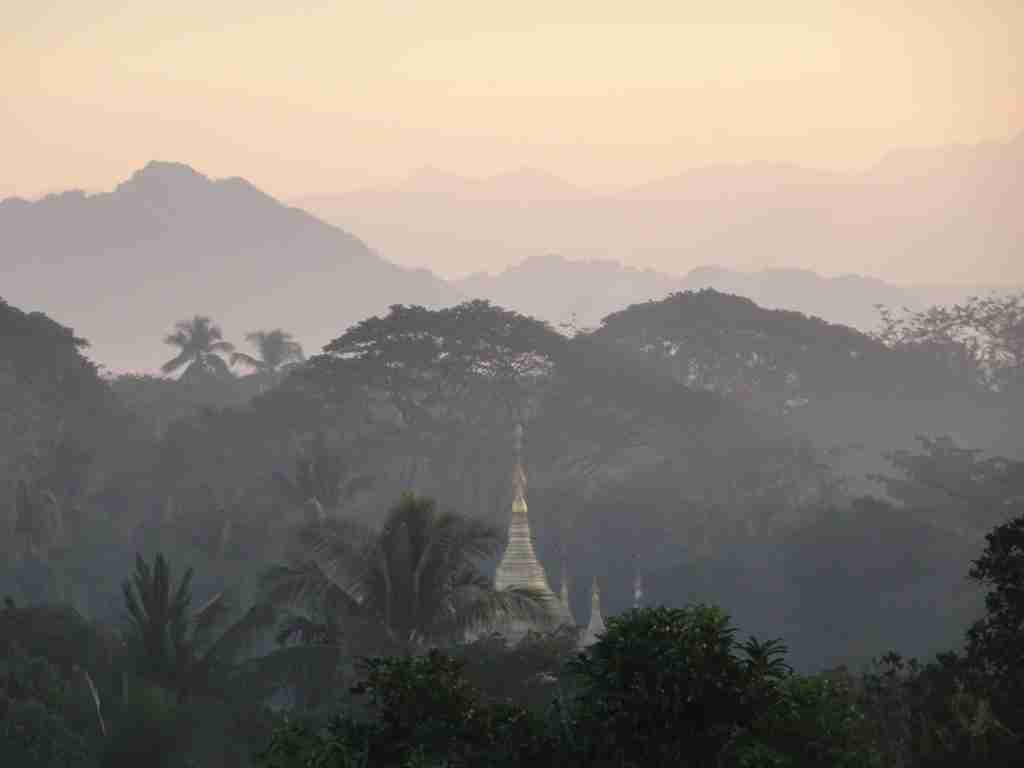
(519, 566)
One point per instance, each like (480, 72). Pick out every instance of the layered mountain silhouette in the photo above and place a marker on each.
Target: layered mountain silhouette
(122, 267)
(581, 293)
(948, 215)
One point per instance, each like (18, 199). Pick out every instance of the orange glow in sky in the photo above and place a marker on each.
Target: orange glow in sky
(308, 98)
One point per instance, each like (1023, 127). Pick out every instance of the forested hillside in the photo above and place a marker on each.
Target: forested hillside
(697, 444)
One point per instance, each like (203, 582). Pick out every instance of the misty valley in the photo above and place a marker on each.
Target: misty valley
(701, 533)
(464, 384)
(272, 499)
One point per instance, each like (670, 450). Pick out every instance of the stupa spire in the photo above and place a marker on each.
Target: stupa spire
(596, 625)
(519, 566)
(518, 474)
(564, 609)
(638, 586)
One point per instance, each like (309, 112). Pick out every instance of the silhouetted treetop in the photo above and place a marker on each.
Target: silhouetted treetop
(202, 343)
(34, 343)
(980, 342)
(729, 344)
(424, 361)
(276, 349)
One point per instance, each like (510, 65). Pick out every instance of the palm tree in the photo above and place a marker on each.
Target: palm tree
(174, 645)
(276, 349)
(319, 485)
(201, 343)
(416, 583)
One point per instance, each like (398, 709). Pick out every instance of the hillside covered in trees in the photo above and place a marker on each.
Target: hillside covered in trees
(187, 557)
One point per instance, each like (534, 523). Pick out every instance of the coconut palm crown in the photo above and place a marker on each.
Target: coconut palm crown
(320, 484)
(275, 349)
(175, 645)
(416, 583)
(201, 342)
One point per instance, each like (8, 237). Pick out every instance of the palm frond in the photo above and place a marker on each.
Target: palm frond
(180, 338)
(183, 595)
(475, 605)
(236, 638)
(342, 548)
(295, 583)
(209, 616)
(302, 630)
(260, 678)
(172, 365)
(276, 347)
(293, 352)
(473, 540)
(244, 359)
(135, 611)
(95, 696)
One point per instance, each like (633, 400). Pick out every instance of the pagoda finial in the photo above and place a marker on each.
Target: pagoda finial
(518, 474)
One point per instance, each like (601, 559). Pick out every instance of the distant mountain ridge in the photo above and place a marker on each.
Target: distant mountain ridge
(583, 292)
(951, 213)
(122, 267)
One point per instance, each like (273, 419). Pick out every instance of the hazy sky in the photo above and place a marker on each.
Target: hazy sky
(307, 97)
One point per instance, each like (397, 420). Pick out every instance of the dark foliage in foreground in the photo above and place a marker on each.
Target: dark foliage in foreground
(662, 687)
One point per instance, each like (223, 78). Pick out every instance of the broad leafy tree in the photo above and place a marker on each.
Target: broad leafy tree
(674, 686)
(944, 479)
(728, 344)
(980, 342)
(996, 642)
(441, 390)
(430, 364)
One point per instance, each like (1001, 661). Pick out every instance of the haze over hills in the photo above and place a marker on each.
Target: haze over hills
(581, 293)
(947, 214)
(122, 267)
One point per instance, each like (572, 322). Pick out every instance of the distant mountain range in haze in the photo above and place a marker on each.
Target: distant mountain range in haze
(122, 267)
(942, 215)
(583, 292)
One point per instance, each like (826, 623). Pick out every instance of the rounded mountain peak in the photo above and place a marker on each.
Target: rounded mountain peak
(164, 178)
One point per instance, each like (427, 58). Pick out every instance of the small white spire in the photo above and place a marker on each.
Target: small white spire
(596, 625)
(565, 609)
(638, 585)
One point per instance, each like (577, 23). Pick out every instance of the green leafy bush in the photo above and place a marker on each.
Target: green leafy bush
(673, 686)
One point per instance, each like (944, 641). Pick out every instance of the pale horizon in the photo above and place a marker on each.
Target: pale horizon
(317, 99)
(597, 187)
